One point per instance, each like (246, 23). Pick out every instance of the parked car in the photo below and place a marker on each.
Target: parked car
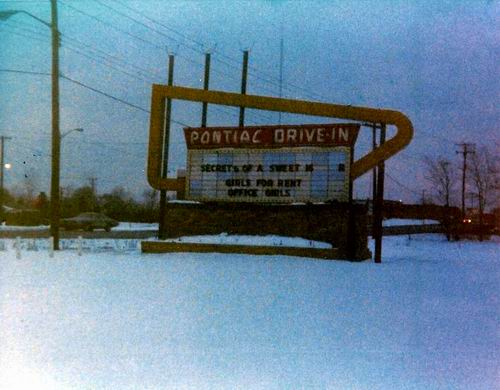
(89, 222)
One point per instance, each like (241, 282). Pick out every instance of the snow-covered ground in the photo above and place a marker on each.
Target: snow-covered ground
(113, 318)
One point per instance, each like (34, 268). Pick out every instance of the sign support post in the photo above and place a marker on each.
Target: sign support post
(206, 81)
(166, 140)
(374, 171)
(378, 213)
(244, 73)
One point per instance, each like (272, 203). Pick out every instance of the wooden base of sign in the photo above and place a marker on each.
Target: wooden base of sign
(340, 224)
(184, 247)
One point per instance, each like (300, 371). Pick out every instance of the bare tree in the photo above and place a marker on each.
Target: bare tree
(485, 175)
(441, 175)
(30, 184)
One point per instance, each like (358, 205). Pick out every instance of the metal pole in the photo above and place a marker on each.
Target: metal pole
(166, 140)
(205, 87)
(374, 171)
(244, 73)
(379, 209)
(352, 211)
(56, 140)
(282, 50)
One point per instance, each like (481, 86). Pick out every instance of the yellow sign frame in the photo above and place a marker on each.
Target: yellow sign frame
(394, 145)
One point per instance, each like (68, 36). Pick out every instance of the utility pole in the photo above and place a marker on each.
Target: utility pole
(244, 73)
(3, 138)
(466, 148)
(56, 135)
(166, 141)
(205, 87)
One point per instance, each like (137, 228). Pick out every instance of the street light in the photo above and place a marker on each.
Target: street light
(56, 135)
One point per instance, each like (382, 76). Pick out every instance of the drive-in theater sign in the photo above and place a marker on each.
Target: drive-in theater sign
(160, 93)
(277, 164)
(269, 179)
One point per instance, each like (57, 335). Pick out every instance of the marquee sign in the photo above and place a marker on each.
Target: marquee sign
(275, 164)
(161, 93)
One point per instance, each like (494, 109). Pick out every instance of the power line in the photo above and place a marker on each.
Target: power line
(402, 185)
(27, 27)
(190, 47)
(99, 52)
(110, 25)
(24, 35)
(268, 80)
(123, 101)
(104, 93)
(112, 67)
(83, 54)
(157, 47)
(75, 45)
(144, 25)
(114, 97)
(24, 72)
(152, 44)
(83, 85)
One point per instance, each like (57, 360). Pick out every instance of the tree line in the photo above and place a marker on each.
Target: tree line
(472, 182)
(482, 179)
(118, 204)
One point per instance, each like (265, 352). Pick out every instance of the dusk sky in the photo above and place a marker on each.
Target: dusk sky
(436, 61)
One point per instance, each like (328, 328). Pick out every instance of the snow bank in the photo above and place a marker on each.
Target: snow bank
(400, 222)
(269, 240)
